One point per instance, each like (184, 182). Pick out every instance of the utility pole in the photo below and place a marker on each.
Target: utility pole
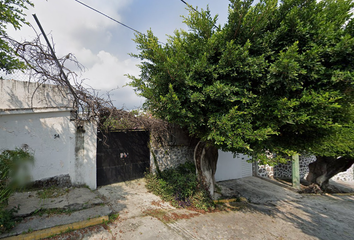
(296, 171)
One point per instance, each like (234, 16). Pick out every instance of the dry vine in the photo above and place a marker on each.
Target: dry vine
(121, 120)
(43, 69)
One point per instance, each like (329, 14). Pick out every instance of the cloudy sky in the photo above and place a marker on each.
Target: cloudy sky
(102, 45)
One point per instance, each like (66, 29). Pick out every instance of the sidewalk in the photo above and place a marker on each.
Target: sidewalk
(55, 207)
(347, 187)
(272, 212)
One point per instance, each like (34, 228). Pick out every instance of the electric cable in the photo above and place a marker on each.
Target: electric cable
(103, 14)
(190, 6)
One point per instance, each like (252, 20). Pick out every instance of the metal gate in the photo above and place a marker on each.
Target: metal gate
(122, 156)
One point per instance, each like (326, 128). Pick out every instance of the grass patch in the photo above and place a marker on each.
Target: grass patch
(52, 192)
(7, 220)
(112, 217)
(180, 186)
(52, 211)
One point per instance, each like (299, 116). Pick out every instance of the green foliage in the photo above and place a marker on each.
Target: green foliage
(13, 171)
(12, 176)
(113, 123)
(11, 15)
(7, 220)
(112, 217)
(277, 76)
(180, 186)
(339, 143)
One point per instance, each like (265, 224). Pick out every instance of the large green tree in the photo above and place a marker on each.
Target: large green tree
(278, 76)
(11, 14)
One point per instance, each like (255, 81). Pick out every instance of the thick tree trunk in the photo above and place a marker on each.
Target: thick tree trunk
(324, 168)
(205, 159)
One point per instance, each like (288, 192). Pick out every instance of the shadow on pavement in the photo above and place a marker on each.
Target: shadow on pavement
(317, 216)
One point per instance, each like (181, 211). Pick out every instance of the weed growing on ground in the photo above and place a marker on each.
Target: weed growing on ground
(52, 192)
(7, 220)
(112, 217)
(52, 211)
(14, 174)
(28, 231)
(180, 186)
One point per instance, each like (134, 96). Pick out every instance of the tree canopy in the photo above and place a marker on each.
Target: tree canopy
(11, 14)
(277, 76)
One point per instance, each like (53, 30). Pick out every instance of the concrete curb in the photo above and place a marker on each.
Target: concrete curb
(341, 194)
(302, 193)
(328, 194)
(59, 229)
(279, 184)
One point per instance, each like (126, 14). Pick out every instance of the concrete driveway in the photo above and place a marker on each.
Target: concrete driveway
(274, 212)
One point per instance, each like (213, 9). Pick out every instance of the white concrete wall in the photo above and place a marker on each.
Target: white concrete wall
(51, 136)
(37, 117)
(229, 167)
(23, 95)
(83, 168)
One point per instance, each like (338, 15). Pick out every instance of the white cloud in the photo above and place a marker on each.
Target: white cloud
(88, 35)
(101, 44)
(107, 71)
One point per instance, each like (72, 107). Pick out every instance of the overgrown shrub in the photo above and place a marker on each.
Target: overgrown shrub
(13, 171)
(7, 220)
(13, 175)
(180, 186)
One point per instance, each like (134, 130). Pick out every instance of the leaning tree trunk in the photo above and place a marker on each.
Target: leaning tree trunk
(325, 168)
(205, 158)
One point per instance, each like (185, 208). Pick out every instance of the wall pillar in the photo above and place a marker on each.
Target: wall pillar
(84, 167)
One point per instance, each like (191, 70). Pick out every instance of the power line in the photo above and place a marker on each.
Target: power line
(124, 25)
(190, 6)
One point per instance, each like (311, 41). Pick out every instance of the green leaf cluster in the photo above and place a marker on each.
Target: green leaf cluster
(11, 14)
(12, 177)
(13, 171)
(7, 220)
(277, 76)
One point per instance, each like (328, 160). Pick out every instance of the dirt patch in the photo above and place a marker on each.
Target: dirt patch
(159, 214)
(168, 217)
(291, 216)
(175, 216)
(313, 188)
(157, 203)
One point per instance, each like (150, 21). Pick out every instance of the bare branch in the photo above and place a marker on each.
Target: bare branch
(42, 68)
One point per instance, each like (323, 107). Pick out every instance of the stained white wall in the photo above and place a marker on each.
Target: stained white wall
(50, 135)
(229, 167)
(83, 170)
(25, 95)
(37, 117)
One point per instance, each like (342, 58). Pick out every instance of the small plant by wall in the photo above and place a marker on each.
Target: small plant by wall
(13, 171)
(13, 176)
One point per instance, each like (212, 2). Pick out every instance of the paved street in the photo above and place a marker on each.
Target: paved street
(274, 212)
